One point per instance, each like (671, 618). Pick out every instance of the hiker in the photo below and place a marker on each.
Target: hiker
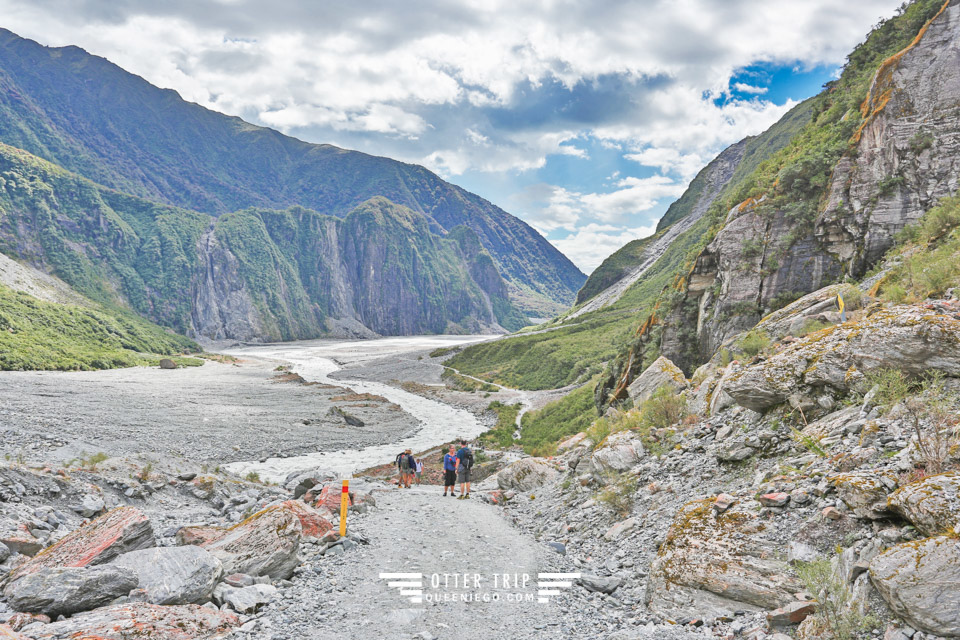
(450, 462)
(465, 458)
(419, 469)
(399, 468)
(406, 468)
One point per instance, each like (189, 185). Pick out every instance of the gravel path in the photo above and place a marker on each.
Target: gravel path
(418, 531)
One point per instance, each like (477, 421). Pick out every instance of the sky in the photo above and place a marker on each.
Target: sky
(584, 118)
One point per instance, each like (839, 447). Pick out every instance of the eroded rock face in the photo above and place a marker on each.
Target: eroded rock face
(712, 564)
(920, 581)
(265, 544)
(931, 504)
(65, 591)
(908, 151)
(97, 542)
(173, 575)
(912, 339)
(526, 475)
(662, 373)
(141, 620)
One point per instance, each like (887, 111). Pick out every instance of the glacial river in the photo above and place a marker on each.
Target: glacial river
(317, 360)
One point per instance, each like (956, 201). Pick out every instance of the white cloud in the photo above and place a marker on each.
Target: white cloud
(634, 196)
(749, 88)
(590, 244)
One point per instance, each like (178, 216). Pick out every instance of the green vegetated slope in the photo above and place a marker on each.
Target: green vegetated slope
(91, 117)
(615, 266)
(35, 334)
(789, 163)
(381, 262)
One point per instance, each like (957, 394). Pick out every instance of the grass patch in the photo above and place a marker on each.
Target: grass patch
(558, 420)
(463, 383)
(654, 421)
(40, 335)
(502, 433)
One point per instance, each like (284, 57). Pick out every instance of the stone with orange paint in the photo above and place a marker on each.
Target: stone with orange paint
(329, 498)
(198, 536)
(313, 523)
(21, 619)
(142, 620)
(97, 542)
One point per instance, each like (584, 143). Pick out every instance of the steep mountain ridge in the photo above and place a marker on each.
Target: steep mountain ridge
(255, 274)
(91, 117)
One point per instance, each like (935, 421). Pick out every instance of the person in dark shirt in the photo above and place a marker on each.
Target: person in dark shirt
(464, 465)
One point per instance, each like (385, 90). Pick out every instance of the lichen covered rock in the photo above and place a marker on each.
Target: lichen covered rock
(713, 564)
(920, 581)
(661, 373)
(143, 621)
(931, 504)
(265, 544)
(908, 338)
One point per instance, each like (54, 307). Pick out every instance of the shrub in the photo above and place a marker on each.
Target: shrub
(663, 409)
(753, 343)
(838, 615)
(253, 476)
(619, 494)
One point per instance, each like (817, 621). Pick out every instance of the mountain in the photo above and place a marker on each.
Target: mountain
(254, 274)
(823, 197)
(93, 118)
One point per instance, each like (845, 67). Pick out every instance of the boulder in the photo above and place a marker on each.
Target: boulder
(792, 613)
(312, 522)
(527, 474)
(69, 590)
(620, 529)
(865, 492)
(904, 337)
(199, 535)
(711, 564)
(329, 499)
(659, 374)
(21, 619)
(97, 542)
(167, 363)
(931, 504)
(173, 575)
(7, 633)
(600, 584)
(142, 620)
(265, 544)
(23, 543)
(778, 499)
(572, 442)
(89, 506)
(920, 582)
(4, 552)
(247, 599)
(618, 452)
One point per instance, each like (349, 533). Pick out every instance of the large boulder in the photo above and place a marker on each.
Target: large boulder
(265, 544)
(143, 621)
(68, 590)
(931, 504)
(920, 581)
(527, 474)
(713, 564)
(662, 373)
(97, 542)
(246, 599)
(865, 492)
(173, 575)
(618, 452)
(905, 337)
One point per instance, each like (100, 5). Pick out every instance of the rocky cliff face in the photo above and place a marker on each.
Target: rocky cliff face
(907, 154)
(903, 158)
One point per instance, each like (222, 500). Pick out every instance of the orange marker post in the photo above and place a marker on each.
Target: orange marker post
(344, 503)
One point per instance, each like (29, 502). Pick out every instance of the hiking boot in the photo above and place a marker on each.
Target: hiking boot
(466, 497)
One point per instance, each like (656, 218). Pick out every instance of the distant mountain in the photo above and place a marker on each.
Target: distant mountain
(89, 116)
(254, 274)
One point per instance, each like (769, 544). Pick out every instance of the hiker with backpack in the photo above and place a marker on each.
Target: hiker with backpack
(397, 461)
(406, 468)
(450, 462)
(465, 458)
